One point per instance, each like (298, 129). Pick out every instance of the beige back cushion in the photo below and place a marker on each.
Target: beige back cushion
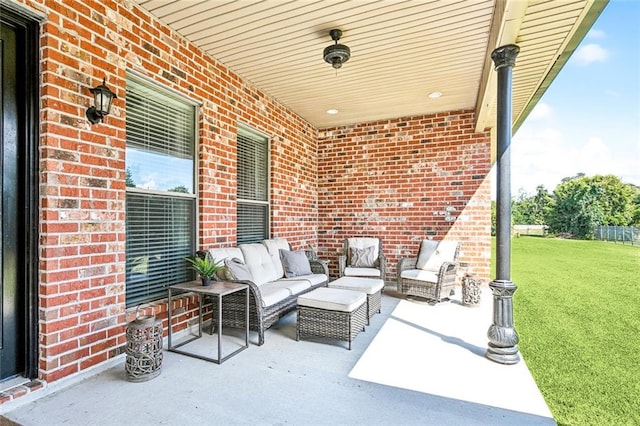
(222, 254)
(445, 252)
(273, 246)
(226, 253)
(427, 249)
(363, 243)
(260, 264)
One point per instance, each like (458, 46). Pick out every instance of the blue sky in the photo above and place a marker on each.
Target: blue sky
(589, 119)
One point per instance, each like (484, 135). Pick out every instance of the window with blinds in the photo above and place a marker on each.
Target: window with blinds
(253, 187)
(160, 201)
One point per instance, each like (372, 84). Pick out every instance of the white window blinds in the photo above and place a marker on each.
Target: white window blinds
(253, 187)
(160, 201)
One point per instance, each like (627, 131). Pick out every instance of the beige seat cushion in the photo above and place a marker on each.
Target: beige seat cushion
(333, 299)
(272, 294)
(420, 275)
(362, 272)
(366, 285)
(292, 286)
(313, 279)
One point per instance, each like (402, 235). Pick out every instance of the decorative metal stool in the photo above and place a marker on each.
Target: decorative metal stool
(470, 290)
(144, 348)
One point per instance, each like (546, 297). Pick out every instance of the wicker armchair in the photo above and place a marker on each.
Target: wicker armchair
(431, 275)
(350, 266)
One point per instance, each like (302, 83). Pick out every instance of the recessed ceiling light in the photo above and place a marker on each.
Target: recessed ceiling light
(332, 111)
(435, 95)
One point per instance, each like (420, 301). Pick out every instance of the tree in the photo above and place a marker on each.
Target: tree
(532, 210)
(180, 188)
(582, 203)
(635, 215)
(128, 178)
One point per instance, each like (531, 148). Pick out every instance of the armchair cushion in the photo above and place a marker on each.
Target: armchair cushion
(445, 251)
(294, 263)
(427, 249)
(363, 243)
(420, 275)
(363, 258)
(362, 272)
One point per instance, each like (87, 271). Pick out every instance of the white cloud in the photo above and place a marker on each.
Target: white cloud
(149, 182)
(540, 112)
(539, 157)
(544, 156)
(590, 53)
(594, 157)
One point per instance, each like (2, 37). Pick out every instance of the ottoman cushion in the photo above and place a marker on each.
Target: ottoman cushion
(333, 299)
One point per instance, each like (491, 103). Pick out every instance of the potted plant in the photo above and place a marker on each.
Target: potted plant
(205, 266)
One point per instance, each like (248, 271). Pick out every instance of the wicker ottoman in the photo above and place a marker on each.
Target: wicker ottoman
(371, 286)
(332, 313)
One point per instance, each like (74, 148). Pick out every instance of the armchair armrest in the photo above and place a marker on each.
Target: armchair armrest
(382, 259)
(342, 264)
(406, 263)
(447, 274)
(403, 264)
(319, 266)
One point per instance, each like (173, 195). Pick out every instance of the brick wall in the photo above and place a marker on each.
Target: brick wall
(401, 179)
(405, 180)
(82, 246)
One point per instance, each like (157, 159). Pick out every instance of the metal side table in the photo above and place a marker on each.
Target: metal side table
(217, 290)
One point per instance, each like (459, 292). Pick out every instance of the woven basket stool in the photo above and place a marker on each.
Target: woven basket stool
(332, 313)
(371, 286)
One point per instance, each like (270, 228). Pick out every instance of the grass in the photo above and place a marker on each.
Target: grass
(577, 312)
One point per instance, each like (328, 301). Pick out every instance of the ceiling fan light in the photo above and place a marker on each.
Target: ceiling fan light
(336, 54)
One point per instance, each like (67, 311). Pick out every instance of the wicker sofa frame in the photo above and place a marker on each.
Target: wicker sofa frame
(434, 292)
(344, 259)
(260, 317)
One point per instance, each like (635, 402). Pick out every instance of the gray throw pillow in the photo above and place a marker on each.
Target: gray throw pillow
(294, 263)
(363, 258)
(238, 270)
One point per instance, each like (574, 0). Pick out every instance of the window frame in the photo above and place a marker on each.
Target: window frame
(194, 196)
(249, 132)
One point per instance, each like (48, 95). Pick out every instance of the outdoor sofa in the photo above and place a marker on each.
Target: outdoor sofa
(276, 276)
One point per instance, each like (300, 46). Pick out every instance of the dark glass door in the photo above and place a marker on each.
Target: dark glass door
(12, 328)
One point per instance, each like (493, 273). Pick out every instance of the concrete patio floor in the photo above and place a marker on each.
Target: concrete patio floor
(414, 364)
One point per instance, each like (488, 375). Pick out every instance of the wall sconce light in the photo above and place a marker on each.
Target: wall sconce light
(102, 98)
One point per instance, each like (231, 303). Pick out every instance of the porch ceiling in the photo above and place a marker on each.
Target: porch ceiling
(400, 51)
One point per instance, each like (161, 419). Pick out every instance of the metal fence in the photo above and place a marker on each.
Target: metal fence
(623, 234)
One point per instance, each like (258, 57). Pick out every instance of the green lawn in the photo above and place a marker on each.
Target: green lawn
(577, 312)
